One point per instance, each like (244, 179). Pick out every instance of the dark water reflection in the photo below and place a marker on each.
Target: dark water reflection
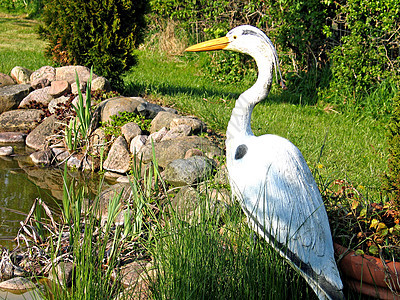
(21, 183)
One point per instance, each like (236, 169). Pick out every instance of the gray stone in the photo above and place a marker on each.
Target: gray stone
(43, 77)
(59, 88)
(137, 143)
(38, 137)
(118, 159)
(130, 273)
(6, 151)
(185, 203)
(60, 154)
(178, 131)
(193, 152)
(74, 87)
(57, 103)
(98, 141)
(12, 95)
(68, 73)
(74, 162)
(163, 119)
(156, 137)
(21, 74)
(169, 150)
(188, 171)
(130, 130)
(40, 96)
(116, 105)
(90, 163)
(149, 110)
(12, 137)
(42, 157)
(17, 283)
(21, 120)
(100, 83)
(196, 124)
(62, 273)
(6, 80)
(107, 195)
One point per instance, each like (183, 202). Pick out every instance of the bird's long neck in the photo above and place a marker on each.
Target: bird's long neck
(240, 122)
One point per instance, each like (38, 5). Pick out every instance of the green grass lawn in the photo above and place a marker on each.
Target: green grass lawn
(19, 44)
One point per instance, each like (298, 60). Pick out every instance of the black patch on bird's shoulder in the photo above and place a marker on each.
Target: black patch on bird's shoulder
(241, 151)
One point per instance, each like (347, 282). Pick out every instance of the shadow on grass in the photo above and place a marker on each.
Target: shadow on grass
(301, 90)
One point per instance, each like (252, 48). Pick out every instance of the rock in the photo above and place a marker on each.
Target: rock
(37, 138)
(170, 110)
(118, 159)
(59, 88)
(43, 77)
(137, 143)
(12, 95)
(21, 74)
(107, 195)
(62, 273)
(74, 162)
(156, 137)
(74, 87)
(185, 203)
(196, 124)
(100, 83)
(130, 273)
(178, 131)
(21, 120)
(42, 157)
(149, 110)
(6, 151)
(188, 171)
(17, 283)
(68, 73)
(193, 152)
(116, 105)
(97, 141)
(6, 80)
(169, 150)
(40, 95)
(12, 137)
(57, 103)
(163, 119)
(90, 163)
(60, 154)
(130, 130)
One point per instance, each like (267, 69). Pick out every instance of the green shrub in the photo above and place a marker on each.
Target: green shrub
(392, 180)
(102, 34)
(368, 52)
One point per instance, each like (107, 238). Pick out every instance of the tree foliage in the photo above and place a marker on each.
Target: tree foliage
(97, 33)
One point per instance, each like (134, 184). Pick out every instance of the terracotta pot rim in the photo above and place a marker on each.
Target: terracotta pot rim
(368, 269)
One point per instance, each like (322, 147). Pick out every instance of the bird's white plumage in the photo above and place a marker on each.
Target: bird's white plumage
(271, 179)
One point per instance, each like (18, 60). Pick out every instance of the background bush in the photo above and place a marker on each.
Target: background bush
(98, 33)
(356, 40)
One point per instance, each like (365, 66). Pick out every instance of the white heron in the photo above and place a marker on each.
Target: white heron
(270, 176)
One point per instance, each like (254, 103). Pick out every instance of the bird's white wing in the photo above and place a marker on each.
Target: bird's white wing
(282, 201)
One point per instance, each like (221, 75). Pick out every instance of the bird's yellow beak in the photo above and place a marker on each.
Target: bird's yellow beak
(215, 44)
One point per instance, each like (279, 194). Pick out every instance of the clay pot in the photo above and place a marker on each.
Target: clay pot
(368, 275)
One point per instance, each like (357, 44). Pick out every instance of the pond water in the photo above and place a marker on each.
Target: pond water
(21, 183)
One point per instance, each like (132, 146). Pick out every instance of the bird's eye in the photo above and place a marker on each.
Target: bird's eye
(234, 37)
